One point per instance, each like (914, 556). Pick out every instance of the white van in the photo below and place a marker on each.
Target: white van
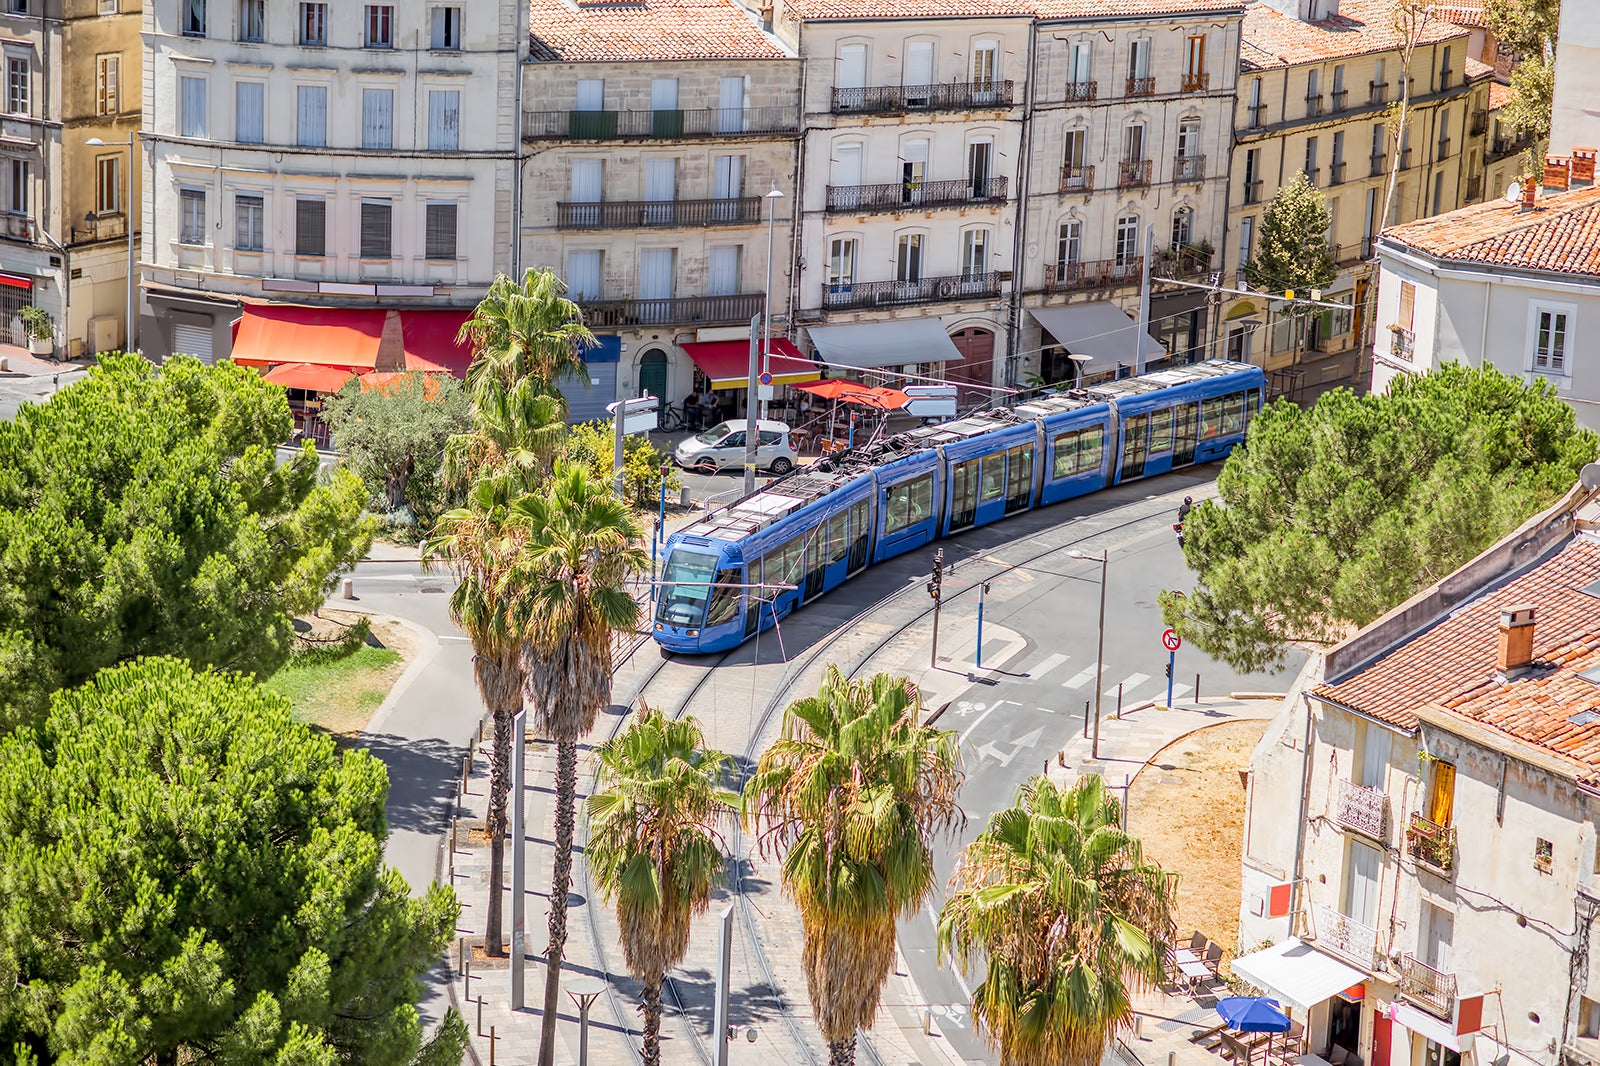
(722, 448)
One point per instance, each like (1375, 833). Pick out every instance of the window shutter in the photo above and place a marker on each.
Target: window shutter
(311, 227)
(376, 235)
(583, 274)
(377, 118)
(248, 99)
(1408, 303)
(441, 231)
(724, 270)
(444, 116)
(313, 124)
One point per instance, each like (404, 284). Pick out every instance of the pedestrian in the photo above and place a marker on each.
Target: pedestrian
(691, 410)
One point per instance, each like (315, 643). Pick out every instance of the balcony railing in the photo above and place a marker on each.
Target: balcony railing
(1474, 189)
(1433, 990)
(645, 214)
(1257, 115)
(1340, 99)
(914, 195)
(679, 310)
(1093, 274)
(1336, 173)
(1428, 842)
(1252, 191)
(1362, 809)
(948, 96)
(1377, 165)
(1401, 343)
(1134, 174)
(1077, 179)
(1444, 148)
(1377, 92)
(1352, 939)
(842, 296)
(1480, 123)
(101, 228)
(1313, 106)
(666, 124)
(1186, 261)
(1405, 159)
(1189, 168)
(1508, 144)
(1313, 174)
(1141, 87)
(1082, 92)
(1196, 83)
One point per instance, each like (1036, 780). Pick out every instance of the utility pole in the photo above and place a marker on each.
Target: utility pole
(750, 414)
(519, 854)
(936, 590)
(1144, 300)
(772, 199)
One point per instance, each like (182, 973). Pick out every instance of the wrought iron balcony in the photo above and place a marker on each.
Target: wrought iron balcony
(1508, 144)
(1188, 168)
(1354, 940)
(1313, 106)
(1444, 148)
(843, 296)
(1339, 99)
(1093, 274)
(1082, 92)
(1185, 261)
(1377, 92)
(1077, 179)
(1257, 115)
(1313, 174)
(1401, 343)
(647, 214)
(1405, 159)
(1377, 165)
(914, 195)
(679, 310)
(1196, 83)
(1480, 123)
(1428, 842)
(1133, 174)
(1141, 87)
(949, 96)
(1362, 809)
(1433, 990)
(1336, 173)
(667, 124)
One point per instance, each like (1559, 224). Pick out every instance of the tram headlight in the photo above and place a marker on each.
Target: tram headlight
(694, 633)
(659, 627)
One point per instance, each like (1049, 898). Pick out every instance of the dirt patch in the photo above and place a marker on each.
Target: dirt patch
(1187, 806)
(341, 694)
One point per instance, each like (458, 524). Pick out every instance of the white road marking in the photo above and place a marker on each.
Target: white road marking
(927, 908)
(1049, 664)
(1029, 740)
(1082, 677)
(976, 724)
(1129, 683)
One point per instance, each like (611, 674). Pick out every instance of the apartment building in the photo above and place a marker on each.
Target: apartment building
(71, 78)
(656, 133)
(1319, 80)
(1421, 831)
(316, 171)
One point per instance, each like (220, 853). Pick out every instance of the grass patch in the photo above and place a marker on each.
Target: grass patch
(339, 687)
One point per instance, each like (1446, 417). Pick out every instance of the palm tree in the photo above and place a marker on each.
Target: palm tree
(854, 790)
(516, 429)
(1056, 901)
(654, 848)
(528, 331)
(580, 544)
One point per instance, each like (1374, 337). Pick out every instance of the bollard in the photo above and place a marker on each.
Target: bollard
(1197, 686)
(1138, 1027)
(349, 589)
(466, 976)
(491, 1044)
(683, 497)
(480, 1015)
(461, 954)
(1119, 700)
(927, 1022)
(1061, 758)
(1086, 719)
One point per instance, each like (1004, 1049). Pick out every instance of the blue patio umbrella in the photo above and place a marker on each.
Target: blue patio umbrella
(1253, 1014)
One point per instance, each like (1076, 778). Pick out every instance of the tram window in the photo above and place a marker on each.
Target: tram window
(1160, 431)
(1211, 418)
(724, 598)
(1233, 414)
(786, 560)
(963, 493)
(994, 477)
(836, 538)
(1078, 452)
(1091, 444)
(859, 534)
(909, 503)
(1184, 426)
(1135, 446)
(1019, 477)
(685, 604)
(754, 597)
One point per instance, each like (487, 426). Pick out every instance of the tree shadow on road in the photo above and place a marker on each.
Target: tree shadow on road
(423, 775)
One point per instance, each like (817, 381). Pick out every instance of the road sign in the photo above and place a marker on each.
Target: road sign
(638, 413)
(766, 379)
(1170, 640)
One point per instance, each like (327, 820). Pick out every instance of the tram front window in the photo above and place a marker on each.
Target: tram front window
(685, 604)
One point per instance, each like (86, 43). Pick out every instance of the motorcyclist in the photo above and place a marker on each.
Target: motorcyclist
(1183, 516)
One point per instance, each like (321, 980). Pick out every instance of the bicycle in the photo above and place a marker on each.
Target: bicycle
(672, 419)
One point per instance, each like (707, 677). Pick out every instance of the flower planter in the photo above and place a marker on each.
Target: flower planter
(41, 345)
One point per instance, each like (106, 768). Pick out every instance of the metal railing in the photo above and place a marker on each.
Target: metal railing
(1480, 123)
(1433, 990)
(1336, 172)
(1377, 165)
(1312, 174)
(844, 296)
(1185, 261)
(1077, 179)
(947, 96)
(644, 214)
(1313, 106)
(912, 195)
(1362, 809)
(1082, 92)
(666, 124)
(1141, 87)
(1252, 191)
(1474, 188)
(1444, 148)
(1197, 83)
(1256, 113)
(1508, 144)
(1377, 92)
(1093, 274)
(1405, 159)
(1428, 842)
(1355, 940)
(701, 310)
(1189, 168)
(1339, 99)
(1401, 343)
(1133, 174)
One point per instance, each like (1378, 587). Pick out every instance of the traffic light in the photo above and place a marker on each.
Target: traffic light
(1168, 668)
(936, 582)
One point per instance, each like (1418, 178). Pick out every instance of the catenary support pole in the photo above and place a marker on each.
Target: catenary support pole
(750, 413)
(519, 858)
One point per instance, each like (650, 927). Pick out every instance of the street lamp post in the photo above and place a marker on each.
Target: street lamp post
(772, 198)
(1077, 369)
(584, 991)
(132, 325)
(1104, 559)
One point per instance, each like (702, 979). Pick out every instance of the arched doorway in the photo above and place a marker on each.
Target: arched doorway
(653, 374)
(977, 360)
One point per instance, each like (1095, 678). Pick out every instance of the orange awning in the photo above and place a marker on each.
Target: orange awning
(268, 334)
(882, 398)
(833, 388)
(727, 363)
(308, 376)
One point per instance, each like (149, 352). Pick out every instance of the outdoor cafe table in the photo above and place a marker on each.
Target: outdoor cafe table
(1190, 966)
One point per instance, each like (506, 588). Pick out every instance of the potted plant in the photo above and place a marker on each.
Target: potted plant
(41, 329)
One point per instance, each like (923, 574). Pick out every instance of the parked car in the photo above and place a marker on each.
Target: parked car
(722, 448)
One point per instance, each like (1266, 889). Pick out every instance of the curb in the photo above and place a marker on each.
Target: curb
(430, 651)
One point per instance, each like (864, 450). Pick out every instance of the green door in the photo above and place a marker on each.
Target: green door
(653, 375)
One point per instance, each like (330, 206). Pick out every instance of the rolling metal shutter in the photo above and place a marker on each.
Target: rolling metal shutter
(192, 340)
(588, 404)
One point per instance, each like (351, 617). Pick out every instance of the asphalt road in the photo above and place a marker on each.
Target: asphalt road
(17, 389)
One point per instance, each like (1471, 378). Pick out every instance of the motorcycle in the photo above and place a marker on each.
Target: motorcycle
(1177, 527)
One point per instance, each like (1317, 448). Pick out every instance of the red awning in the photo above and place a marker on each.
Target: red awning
(348, 338)
(430, 341)
(308, 376)
(727, 363)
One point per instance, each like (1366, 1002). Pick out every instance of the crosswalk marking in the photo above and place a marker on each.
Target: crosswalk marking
(1179, 691)
(1129, 683)
(1082, 677)
(1049, 664)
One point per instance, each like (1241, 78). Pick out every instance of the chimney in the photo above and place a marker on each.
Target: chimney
(1557, 171)
(1516, 639)
(1530, 189)
(1583, 165)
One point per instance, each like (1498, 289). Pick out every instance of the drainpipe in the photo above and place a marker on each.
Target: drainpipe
(516, 170)
(66, 289)
(1298, 873)
(1019, 234)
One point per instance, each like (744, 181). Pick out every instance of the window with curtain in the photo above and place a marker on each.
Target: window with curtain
(249, 112)
(974, 253)
(841, 262)
(314, 24)
(192, 107)
(444, 120)
(311, 227)
(194, 18)
(446, 28)
(1442, 793)
(377, 231)
(249, 229)
(191, 216)
(1550, 341)
(108, 184)
(312, 109)
(377, 119)
(440, 236)
(908, 258)
(252, 20)
(1079, 71)
(723, 270)
(1069, 244)
(583, 274)
(380, 26)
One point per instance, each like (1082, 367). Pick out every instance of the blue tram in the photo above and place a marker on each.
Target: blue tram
(823, 524)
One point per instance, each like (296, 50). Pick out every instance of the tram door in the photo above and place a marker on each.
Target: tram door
(816, 562)
(1185, 432)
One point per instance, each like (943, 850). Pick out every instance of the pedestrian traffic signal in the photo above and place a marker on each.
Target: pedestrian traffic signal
(1169, 671)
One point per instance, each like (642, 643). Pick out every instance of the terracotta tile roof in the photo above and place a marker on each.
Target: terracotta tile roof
(1462, 13)
(1476, 69)
(1452, 664)
(1500, 95)
(1044, 9)
(1561, 234)
(1273, 39)
(647, 30)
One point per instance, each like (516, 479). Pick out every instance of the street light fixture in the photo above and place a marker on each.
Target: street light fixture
(1078, 361)
(772, 198)
(584, 991)
(1104, 559)
(132, 325)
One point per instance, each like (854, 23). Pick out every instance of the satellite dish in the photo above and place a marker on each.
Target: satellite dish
(1589, 476)
(1513, 192)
